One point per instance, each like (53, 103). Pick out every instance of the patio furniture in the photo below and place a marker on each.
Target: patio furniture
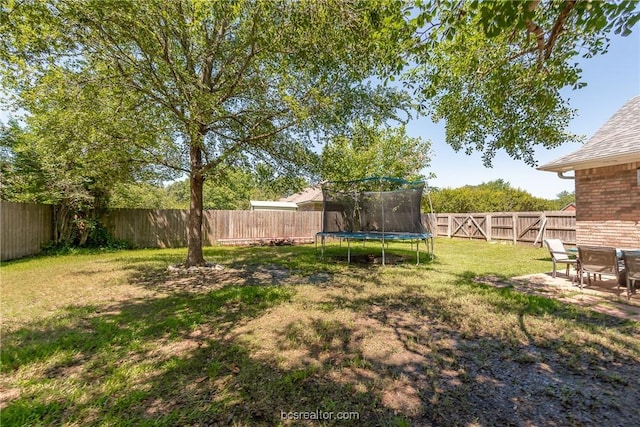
(598, 260)
(631, 261)
(559, 255)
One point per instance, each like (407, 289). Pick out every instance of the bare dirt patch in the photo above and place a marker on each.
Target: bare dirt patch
(211, 278)
(371, 259)
(8, 395)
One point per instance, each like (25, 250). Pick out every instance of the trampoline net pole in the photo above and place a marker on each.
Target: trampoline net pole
(381, 194)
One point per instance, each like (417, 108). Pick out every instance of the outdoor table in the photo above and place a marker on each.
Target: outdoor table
(574, 251)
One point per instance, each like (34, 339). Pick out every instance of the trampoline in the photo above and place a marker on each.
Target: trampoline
(377, 208)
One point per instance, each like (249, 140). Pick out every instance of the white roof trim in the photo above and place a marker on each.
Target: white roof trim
(593, 163)
(270, 204)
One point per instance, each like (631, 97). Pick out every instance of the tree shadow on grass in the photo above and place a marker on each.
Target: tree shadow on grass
(253, 266)
(512, 299)
(507, 373)
(165, 360)
(246, 354)
(287, 265)
(591, 377)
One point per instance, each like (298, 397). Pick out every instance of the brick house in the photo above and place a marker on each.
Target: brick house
(607, 181)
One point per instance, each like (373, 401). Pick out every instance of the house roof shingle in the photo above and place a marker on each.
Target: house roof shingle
(309, 194)
(616, 142)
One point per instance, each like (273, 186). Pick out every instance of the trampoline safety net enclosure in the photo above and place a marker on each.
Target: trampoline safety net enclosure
(378, 208)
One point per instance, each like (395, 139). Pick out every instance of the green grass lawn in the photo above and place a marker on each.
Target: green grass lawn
(116, 339)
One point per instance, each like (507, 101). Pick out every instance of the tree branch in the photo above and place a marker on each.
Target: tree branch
(240, 72)
(533, 28)
(558, 27)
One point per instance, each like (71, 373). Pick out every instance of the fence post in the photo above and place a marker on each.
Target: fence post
(514, 223)
(449, 225)
(543, 224)
(487, 221)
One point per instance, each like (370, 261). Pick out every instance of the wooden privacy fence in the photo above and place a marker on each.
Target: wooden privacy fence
(166, 228)
(27, 227)
(526, 227)
(24, 229)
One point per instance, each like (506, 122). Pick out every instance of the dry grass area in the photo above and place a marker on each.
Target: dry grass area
(117, 339)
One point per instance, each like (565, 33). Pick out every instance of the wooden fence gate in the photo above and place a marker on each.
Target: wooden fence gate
(526, 227)
(469, 226)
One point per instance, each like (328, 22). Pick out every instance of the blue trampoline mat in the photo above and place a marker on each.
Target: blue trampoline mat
(375, 235)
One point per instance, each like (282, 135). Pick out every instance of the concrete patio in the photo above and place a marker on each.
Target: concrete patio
(602, 296)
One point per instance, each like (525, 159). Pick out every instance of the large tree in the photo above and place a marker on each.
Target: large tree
(370, 150)
(230, 81)
(494, 70)
(71, 150)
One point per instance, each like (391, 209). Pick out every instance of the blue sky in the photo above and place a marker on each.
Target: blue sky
(612, 79)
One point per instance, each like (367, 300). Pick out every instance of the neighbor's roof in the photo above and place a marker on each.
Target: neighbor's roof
(309, 194)
(616, 142)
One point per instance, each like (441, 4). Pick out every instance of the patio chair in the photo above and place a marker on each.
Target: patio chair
(598, 260)
(559, 255)
(632, 266)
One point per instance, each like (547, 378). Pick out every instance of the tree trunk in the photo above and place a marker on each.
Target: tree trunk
(196, 181)
(62, 225)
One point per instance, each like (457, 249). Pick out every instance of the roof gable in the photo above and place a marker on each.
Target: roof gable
(309, 194)
(616, 142)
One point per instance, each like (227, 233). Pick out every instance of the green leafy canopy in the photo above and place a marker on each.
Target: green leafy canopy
(494, 70)
(374, 150)
(228, 81)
